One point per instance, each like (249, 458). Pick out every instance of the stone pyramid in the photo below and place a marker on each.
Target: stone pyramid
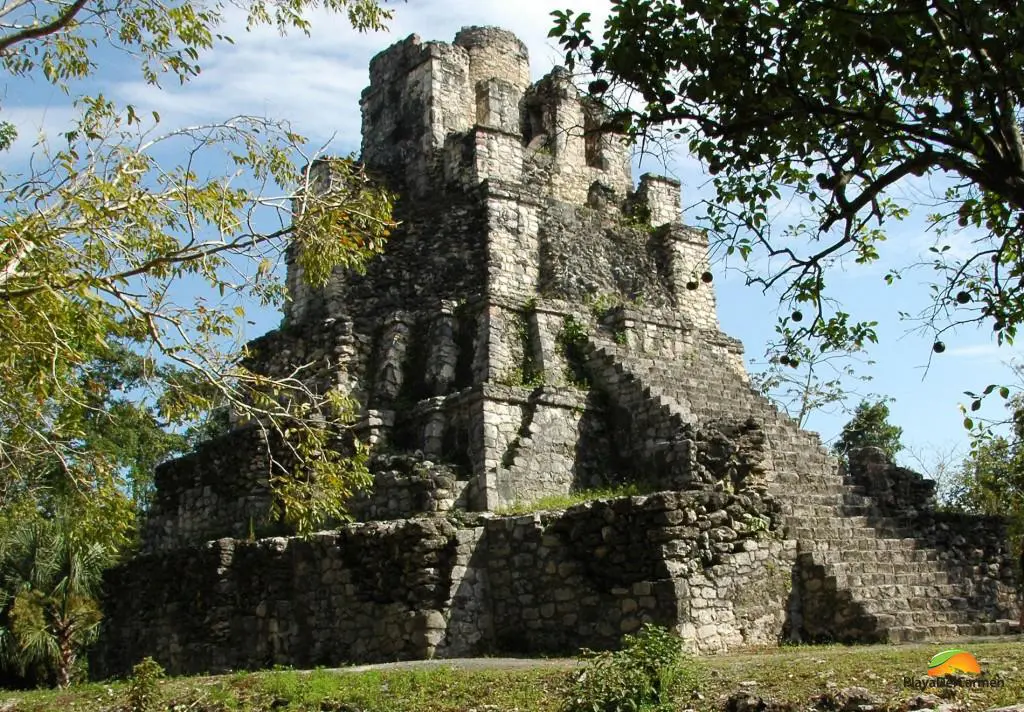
(538, 325)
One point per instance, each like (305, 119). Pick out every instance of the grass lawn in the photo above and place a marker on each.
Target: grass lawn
(796, 674)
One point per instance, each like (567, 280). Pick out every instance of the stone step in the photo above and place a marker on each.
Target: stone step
(814, 505)
(827, 494)
(945, 604)
(904, 567)
(852, 539)
(853, 527)
(946, 632)
(886, 579)
(788, 476)
(919, 583)
(946, 621)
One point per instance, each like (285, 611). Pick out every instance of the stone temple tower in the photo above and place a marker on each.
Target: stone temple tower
(538, 325)
(517, 213)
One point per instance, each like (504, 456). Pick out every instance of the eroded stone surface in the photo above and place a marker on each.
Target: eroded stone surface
(536, 326)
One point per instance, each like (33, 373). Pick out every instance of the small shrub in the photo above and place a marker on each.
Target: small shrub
(570, 343)
(602, 304)
(144, 686)
(527, 373)
(644, 676)
(520, 377)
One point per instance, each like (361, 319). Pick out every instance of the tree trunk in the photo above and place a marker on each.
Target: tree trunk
(66, 663)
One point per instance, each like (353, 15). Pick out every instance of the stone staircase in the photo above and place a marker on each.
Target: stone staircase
(863, 574)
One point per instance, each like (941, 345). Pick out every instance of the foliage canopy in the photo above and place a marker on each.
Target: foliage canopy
(991, 478)
(845, 106)
(124, 274)
(870, 427)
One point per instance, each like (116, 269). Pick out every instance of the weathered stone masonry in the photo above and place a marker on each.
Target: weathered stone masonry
(537, 325)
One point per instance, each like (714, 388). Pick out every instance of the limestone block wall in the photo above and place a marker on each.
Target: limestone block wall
(660, 199)
(513, 268)
(498, 157)
(895, 489)
(330, 353)
(222, 490)
(497, 107)
(406, 486)
(439, 253)
(452, 382)
(470, 619)
(559, 122)
(562, 444)
(417, 96)
(495, 54)
(662, 333)
(976, 553)
(425, 587)
(587, 252)
(506, 190)
(709, 565)
(217, 491)
(372, 591)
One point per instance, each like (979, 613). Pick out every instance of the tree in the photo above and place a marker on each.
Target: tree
(49, 582)
(838, 104)
(941, 464)
(991, 479)
(97, 232)
(869, 427)
(803, 380)
(117, 439)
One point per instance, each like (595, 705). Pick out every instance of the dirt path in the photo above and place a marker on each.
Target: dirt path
(469, 664)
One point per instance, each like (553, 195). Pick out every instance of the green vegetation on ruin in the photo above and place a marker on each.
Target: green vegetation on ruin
(564, 501)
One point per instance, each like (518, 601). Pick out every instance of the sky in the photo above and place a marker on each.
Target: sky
(316, 81)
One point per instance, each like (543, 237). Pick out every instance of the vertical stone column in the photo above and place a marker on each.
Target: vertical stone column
(443, 351)
(497, 156)
(568, 143)
(394, 342)
(497, 140)
(687, 250)
(497, 105)
(494, 53)
(684, 248)
(505, 348)
(435, 422)
(660, 197)
(513, 246)
(564, 123)
(303, 300)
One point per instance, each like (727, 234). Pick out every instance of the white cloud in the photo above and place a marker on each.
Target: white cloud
(35, 123)
(316, 81)
(989, 353)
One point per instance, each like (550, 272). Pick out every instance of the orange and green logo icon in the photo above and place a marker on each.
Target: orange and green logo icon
(953, 662)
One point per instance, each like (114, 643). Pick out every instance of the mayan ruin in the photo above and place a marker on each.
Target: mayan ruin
(538, 325)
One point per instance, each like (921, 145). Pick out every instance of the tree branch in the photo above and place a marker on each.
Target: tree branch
(56, 25)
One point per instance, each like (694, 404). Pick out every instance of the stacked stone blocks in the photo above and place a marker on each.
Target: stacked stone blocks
(536, 326)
